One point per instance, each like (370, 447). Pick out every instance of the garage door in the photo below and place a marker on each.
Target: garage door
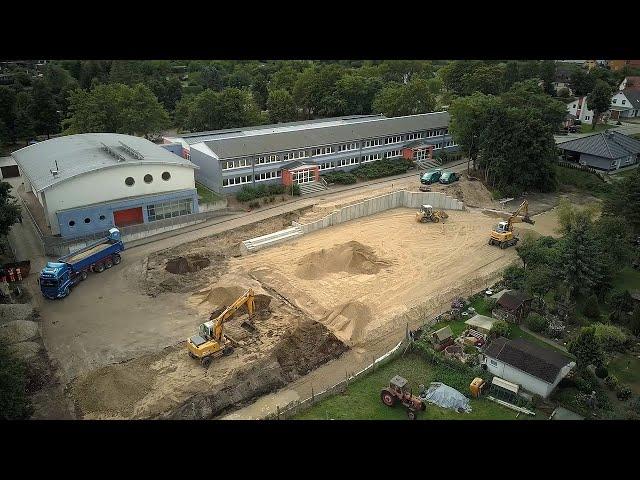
(131, 216)
(9, 171)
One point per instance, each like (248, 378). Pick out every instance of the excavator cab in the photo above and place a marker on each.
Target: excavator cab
(502, 227)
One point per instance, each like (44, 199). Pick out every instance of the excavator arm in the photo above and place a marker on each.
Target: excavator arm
(520, 215)
(247, 298)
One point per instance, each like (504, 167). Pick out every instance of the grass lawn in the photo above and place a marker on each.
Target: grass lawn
(627, 279)
(581, 180)
(206, 195)
(584, 128)
(362, 401)
(627, 369)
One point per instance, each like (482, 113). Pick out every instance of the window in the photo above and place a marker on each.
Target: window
(326, 166)
(129, 181)
(72, 223)
(166, 176)
(347, 161)
(322, 151)
(393, 153)
(176, 208)
(587, 117)
(148, 178)
(373, 143)
(347, 146)
(615, 100)
(259, 177)
(414, 136)
(102, 217)
(390, 140)
(371, 158)
(240, 163)
(623, 102)
(493, 362)
(261, 160)
(87, 220)
(227, 182)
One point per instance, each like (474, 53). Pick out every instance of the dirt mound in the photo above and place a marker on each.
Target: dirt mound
(307, 347)
(188, 264)
(352, 257)
(349, 321)
(18, 331)
(15, 311)
(218, 298)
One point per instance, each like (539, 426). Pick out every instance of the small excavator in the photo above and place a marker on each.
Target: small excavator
(211, 342)
(502, 235)
(428, 214)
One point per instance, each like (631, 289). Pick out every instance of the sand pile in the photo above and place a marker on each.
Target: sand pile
(217, 298)
(349, 321)
(18, 331)
(307, 347)
(188, 264)
(351, 257)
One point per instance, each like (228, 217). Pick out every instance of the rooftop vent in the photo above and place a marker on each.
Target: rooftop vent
(55, 171)
(112, 152)
(131, 151)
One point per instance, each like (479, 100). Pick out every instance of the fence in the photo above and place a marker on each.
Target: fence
(584, 168)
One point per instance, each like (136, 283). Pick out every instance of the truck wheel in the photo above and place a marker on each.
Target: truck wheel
(206, 361)
(99, 267)
(83, 275)
(108, 264)
(388, 398)
(65, 292)
(116, 259)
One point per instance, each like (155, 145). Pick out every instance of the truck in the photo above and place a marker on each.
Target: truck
(57, 278)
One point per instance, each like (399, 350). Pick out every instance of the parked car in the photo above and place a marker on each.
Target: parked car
(432, 176)
(449, 177)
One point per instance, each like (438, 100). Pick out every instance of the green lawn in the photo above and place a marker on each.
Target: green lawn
(627, 279)
(574, 179)
(584, 128)
(627, 369)
(362, 401)
(206, 195)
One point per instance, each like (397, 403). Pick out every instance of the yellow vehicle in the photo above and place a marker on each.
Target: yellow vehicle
(211, 342)
(428, 214)
(503, 235)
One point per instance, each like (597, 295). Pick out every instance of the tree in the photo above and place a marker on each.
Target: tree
(540, 280)
(453, 73)
(24, 123)
(623, 201)
(7, 115)
(168, 92)
(143, 114)
(314, 91)
(281, 106)
(510, 75)
(285, 78)
(529, 96)
(542, 251)
(591, 308)
(357, 93)
(586, 348)
(599, 100)
(230, 108)
(127, 72)
(211, 78)
(582, 82)
(44, 111)
(548, 75)
(569, 215)
(487, 79)
(580, 259)
(260, 91)
(620, 303)
(514, 277)
(9, 208)
(410, 99)
(14, 402)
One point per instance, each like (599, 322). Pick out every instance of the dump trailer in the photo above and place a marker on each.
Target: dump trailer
(57, 278)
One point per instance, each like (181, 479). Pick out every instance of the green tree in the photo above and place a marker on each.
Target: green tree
(515, 277)
(591, 308)
(529, 96)
(510, 75)
(24, 123)
(623, 201)
(211, 78)
(285, 78)
(230, 108)
(487, 79)
(410, 99)
(357, 93)
(580, 259)
(547, 75)
(314, 90)
(540, 280)
(9, 208)
(586, 348)
(7, 115)
(569, 215)
(44, 111)
(582, 82)
(14, 402)
(541, 251)
(127, 72)
(452, 75)
(281, 106)
(260, 90)
(143, 114)
(599, 100)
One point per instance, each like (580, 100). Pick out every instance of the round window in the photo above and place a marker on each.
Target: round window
(166, 176)
(102, 217)
(129, 181)
(72, 223)
(148, 178)
(87, 220)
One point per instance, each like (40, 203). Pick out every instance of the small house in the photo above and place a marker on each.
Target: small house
(442, 338)
(536, 369)
(481, 323)
(515, 304)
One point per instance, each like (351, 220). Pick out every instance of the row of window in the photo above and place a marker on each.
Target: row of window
(376, 142)
(268, 175)
(327, 166)
(393, 154)
(266, 159)
(239, 163)
(294, 155)
(371, 158)
(615, 100)
(148, 178)
(322, 151)
(258, 177)
(414, 136)
(347, 146)
(347, 161)
(390, 140)
(176, 208)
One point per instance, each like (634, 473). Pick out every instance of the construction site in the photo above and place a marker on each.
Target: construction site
(300, 309)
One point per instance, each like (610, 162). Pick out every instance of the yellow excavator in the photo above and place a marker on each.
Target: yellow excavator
(428, 214)
(502, 235)
(211, 342)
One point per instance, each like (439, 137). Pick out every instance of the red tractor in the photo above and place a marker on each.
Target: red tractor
(397, 392)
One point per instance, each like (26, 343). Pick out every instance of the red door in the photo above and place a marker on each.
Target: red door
(131, 216)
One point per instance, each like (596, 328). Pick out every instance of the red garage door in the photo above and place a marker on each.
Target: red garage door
(131, 216)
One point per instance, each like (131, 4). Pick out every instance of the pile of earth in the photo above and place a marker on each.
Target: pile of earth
(188, 264)
(349, 321)
(218, 298)
(351, 257)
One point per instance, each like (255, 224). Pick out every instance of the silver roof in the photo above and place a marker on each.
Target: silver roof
(607, 144)
(297, 135)
(88, 152)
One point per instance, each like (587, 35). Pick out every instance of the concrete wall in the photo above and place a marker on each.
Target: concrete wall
(371, 206)
(209, 173)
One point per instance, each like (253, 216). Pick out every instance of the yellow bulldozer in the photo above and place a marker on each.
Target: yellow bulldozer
(502, 235)
(211, 342)
(428, 214)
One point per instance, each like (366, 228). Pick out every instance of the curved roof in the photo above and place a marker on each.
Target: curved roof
(88, 152)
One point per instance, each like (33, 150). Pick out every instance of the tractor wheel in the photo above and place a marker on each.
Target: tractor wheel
(491, 241)
(206, 361)
(116, 259)
(411, 414)
(503, 245)
(192, 355)
(436, 220)
(388, 398)
(83, 275)
(226, 351)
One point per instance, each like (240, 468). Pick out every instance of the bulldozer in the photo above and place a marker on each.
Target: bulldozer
(502, 235)
(398, 392)
(428, 214)
(211, 342)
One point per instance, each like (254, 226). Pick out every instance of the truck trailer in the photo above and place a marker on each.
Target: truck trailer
(57, 278)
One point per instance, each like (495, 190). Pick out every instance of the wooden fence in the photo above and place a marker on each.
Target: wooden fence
(584, 168)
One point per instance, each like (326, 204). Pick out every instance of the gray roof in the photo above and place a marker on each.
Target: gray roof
(298, 135)
(633, 95)
(607, 144)
(86, 152)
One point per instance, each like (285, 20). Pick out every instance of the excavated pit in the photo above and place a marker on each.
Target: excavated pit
(188, 264)
(351, 257)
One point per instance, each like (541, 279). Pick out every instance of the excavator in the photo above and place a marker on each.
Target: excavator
(428, 214)
(502, 235)
(211, 342)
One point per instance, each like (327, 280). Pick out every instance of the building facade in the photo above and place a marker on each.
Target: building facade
(626, 103)
(608, 151)
(88, 183)
(299, 152)
(578, 108)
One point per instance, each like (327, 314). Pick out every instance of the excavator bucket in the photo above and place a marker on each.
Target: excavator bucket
(528, 219)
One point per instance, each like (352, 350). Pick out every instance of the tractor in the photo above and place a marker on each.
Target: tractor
(428, 214)
(397, 392)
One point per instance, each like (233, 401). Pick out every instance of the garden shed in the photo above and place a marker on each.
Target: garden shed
(517, 304)
(482, 323)
(442, 337)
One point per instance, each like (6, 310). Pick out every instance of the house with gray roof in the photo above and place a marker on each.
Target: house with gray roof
(298, 152)
(626, 103)
(608, 150)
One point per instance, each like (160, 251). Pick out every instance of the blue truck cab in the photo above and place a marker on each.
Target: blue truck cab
(57, 278)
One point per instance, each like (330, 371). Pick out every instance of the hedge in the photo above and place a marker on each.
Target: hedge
(342, 178)
(247, 194)
(382, 168)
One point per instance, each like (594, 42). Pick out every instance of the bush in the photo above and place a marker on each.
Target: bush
(295, 189)
(634, 405)
(501, 329)
(623, 392)
(611, 382)
(515, 277)
(247, 194)
(610, 337)
(342, 178)
(536, 323)
(602, 372)
(255, 204)
(14, 403)
(382, 168)
(591, 308)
